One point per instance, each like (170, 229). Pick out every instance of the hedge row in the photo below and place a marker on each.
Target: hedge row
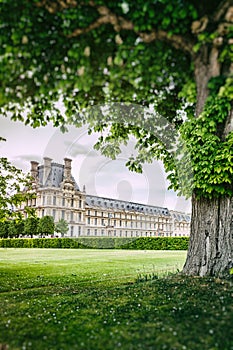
(141, 243)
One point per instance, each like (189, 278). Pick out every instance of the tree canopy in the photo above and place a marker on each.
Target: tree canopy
(46, 226)
(62, 227)
(145, 53)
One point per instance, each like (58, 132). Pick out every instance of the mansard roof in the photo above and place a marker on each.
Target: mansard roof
(180, 216)
(115, 204)
(55, 176)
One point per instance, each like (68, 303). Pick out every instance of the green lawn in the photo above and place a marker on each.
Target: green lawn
(88, 299)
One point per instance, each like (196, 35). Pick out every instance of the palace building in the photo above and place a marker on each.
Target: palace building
(58, 195)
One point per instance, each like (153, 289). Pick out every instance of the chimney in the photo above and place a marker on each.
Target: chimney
(47, 169)
(34, 169)
(67, 168)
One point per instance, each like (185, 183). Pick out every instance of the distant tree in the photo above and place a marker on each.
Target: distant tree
(4, 225)
(62, 227)
(16, 228)
(46, 226)
(12, 183)
(12, 230)
(31, 226)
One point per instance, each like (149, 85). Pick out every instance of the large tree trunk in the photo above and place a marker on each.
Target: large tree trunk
(211, 240)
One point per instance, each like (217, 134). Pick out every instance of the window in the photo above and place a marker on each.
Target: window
(54, 200)
(72, 201)
(114, 222)
(102, 222)
(71, 216)
(88, 232)
(102, 232)
(95, 221)
(54, 213)
(96, 213)
(63, 214)
(89, 220)
(88, 212)
(79, 231)
(71, 231)
(80, 204)
(63, 201)
(95, 232)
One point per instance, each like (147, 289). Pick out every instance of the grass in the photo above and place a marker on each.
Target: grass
(88, 299)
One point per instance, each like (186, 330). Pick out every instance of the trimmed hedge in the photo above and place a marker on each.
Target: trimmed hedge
(141, 243)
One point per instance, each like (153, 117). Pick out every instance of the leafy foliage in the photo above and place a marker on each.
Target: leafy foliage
(211, 152)
(62, 227)
(4, 229)
(31, 226)
(46, 226)
(149, 54)
(12, 184)
(16, 228)
(142, 243)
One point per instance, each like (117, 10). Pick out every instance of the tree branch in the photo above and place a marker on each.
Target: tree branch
(177, 41)
(224, 8)
(118, 22)
(106, 17)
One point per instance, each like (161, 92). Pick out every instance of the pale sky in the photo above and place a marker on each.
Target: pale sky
(101, 176)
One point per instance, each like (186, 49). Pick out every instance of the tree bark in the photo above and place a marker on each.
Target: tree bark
(211, 240)
(206, 67)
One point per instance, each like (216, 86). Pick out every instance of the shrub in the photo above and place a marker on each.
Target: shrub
(141, 243)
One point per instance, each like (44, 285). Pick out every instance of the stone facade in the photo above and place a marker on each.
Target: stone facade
(59, 195)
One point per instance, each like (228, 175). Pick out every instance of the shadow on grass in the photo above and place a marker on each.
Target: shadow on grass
(172, 312)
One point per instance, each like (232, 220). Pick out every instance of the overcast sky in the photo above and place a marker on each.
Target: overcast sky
(101, 176)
